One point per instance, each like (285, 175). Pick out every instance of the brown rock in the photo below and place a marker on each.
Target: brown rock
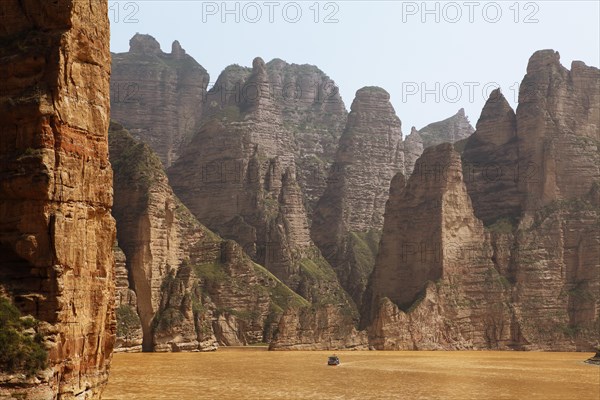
(158, 96)
(434, 285)
(239, 177)
(491, 163)
(312, 112)
(192, 289)
(449, 130)
(349, 216)
(56, 231)
(557, 127)
(129, 338)
(327, 328)
(540, 245)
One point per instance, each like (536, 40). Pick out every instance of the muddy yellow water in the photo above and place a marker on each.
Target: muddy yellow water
(261, 375)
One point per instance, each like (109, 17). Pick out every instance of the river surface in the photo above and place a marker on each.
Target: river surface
(256, 374)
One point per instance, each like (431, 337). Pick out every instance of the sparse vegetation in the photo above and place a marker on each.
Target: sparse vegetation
(166, 319)
(133, 162)
(21, 345)
(282, 296)
(128, 322)
(316, 269)
(364, 247)
(211, 272)
(502, 226)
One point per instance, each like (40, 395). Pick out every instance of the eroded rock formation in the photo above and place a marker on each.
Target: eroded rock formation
(349, 216)
(434, 285)
(449, 130)
(531, 276)
(158, 96)
(191, 288)
(311, 110)
(56, 230)
(239, 176)
(324, 328)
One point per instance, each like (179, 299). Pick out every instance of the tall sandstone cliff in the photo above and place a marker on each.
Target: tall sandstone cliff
(56, 230)
(310, 107)
(239, 176)
(521, 210)
(191, 289)
(158, 96)
(348, 218)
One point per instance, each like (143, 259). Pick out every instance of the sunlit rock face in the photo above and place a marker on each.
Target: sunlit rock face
(56, 229)
(520, 207)
(348, 218)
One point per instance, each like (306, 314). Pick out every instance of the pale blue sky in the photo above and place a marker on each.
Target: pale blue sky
(395, 45)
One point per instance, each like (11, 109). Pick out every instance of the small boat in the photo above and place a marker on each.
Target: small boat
(333, 360)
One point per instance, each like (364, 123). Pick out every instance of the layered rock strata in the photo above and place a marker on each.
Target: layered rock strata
(158, 96)
(349, 216)
(56, 230)
(539, 246)
(434, 285)
(318, 329)
(239, 177)
(312, 114)
(193, 290)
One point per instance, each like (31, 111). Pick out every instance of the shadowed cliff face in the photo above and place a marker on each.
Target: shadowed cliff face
(491, 163)
(56, 231)
(158, 96)
(529, 278)
(191, 289)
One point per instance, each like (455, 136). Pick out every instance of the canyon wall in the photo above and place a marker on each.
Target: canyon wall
(191, 289)
(449, 130)
(520, 210)
(56, 230)
(158, 96)
(161, 98)
(312, 114)
(240, 177)
(487, 243)
(434, 285)
(348, 218)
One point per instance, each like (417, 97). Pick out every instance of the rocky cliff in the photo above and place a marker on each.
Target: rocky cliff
(434, 285)
(522, 219)
(348, 218)
(449, 130)
(239, 176)
(191, 289)
(158, 96)
(56, 230)
(129, 327)
(321, 328)
(491, 163)
(311, 110)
